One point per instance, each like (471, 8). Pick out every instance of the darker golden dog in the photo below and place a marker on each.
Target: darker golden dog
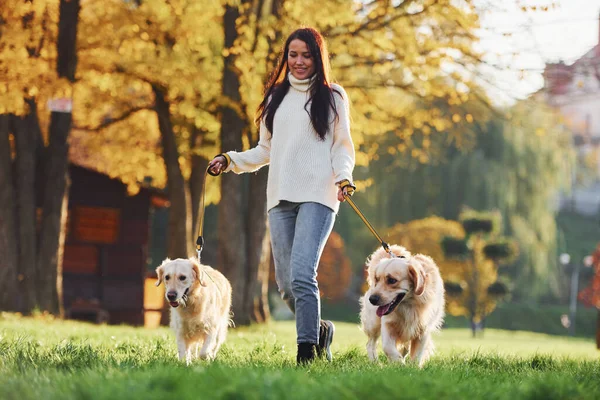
(404, 305)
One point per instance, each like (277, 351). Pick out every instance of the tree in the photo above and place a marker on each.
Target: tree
(8, 246)
(242, 212)
(55, 189)
(519, 167)
(473, 287)
(21, 45)
(515, 160)
(156, 55)
(158, 59)
(30, 43)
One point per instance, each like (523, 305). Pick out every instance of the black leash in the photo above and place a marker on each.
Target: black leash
(200, 240)
(385, 246)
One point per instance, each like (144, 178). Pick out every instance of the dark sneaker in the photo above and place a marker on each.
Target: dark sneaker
(326, 331)
(306, 353)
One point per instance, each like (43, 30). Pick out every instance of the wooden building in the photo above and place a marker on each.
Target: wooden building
(107, 273)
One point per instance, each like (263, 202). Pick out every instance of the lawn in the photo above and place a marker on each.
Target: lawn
(47, 359)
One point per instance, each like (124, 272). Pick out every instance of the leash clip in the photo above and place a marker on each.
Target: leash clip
(199, 244)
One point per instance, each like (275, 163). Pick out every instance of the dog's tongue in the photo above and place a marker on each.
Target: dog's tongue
(174, 303)
(383, 309)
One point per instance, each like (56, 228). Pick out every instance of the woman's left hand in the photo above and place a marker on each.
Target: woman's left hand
(341, 194)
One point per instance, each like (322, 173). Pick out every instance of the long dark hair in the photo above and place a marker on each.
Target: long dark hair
(321, 93)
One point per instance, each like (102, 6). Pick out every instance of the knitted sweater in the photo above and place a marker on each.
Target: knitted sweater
(303, 168)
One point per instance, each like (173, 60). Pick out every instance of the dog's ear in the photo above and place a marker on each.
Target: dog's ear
(415, 272)
(199, 274)
(372, 271)
(160, 271)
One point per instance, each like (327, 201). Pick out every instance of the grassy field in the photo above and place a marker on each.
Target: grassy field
(46, 359)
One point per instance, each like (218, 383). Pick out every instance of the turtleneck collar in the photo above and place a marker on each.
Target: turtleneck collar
(301, 85)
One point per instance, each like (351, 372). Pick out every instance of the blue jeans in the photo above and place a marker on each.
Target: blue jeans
(299, 232)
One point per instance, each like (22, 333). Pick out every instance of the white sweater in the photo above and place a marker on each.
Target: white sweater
(303, 168)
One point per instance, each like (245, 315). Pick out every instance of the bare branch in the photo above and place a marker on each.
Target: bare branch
(379, 21)
(259, 8)
(110, 121)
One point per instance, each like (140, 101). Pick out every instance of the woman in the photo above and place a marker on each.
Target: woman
(305, 137)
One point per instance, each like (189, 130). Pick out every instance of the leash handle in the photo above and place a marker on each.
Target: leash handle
(227, 162)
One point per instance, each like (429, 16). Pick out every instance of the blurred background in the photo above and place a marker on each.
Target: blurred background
(476, 125)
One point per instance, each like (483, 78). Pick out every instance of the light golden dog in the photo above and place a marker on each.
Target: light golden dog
(200, 300)
(404, 305)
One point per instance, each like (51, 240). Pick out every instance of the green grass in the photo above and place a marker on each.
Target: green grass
(47, 359)
(506, 316)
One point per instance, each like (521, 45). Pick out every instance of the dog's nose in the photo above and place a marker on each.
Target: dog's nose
(172, 296)
(374, 299)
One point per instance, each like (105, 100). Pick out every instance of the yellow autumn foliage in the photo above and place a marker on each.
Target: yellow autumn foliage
(395, 60)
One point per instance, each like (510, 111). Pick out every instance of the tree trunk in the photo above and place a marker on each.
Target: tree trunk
(259, 280)
(56, 188)
(179, 240)
(473, 301)
(261, 312)
(27, 132)
(232, 236)
(8, 242)
(246, 266)
(54, 208)
(55, 197)
(257, 261)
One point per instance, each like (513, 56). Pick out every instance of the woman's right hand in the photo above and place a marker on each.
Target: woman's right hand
(217, 164)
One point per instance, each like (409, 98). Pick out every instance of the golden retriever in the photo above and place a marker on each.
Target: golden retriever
(200, 300)
(404, 305)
